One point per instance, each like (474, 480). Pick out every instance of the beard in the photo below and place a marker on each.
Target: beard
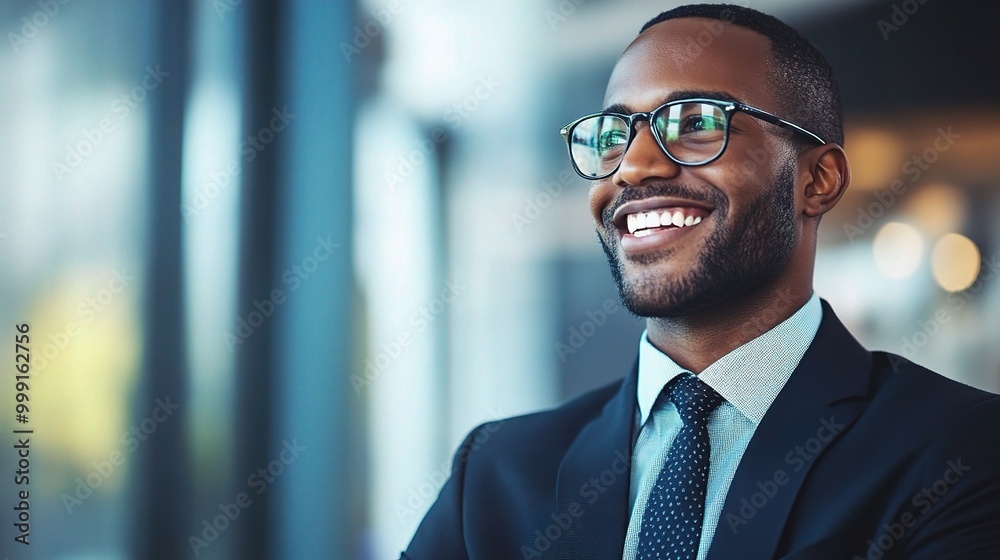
(744, 253)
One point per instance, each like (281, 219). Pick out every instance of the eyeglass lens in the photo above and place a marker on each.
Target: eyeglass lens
(691, 132)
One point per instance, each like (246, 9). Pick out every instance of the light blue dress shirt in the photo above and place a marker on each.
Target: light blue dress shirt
(748, 378)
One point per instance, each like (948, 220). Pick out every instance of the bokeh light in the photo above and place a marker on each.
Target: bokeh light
(955, 262)
(898, 249)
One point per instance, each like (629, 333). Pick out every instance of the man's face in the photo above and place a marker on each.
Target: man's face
(746, 201)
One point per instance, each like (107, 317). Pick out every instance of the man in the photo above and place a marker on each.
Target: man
(753, 425)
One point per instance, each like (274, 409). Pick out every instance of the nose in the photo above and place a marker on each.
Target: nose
(644, 161)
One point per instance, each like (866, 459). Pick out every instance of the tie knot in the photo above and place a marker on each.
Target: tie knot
(694, 399)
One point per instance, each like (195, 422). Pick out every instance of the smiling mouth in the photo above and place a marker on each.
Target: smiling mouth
(647, 222)
(650, 224)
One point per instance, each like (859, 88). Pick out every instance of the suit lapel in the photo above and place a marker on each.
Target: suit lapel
(593, 481)
(823, 397)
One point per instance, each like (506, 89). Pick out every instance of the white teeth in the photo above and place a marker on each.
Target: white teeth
(642, 224)
(678, 218)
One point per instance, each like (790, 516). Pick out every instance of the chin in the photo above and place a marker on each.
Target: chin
(661, 289)
(672, 286)
(663, 302)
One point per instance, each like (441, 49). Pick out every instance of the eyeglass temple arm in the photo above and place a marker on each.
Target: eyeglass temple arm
(775, 120)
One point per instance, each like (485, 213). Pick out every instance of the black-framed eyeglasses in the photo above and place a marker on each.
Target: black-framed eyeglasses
(689, 131)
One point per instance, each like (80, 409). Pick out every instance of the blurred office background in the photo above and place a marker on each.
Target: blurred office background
(277, 258)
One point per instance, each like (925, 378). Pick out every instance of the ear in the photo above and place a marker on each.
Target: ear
(827, 174)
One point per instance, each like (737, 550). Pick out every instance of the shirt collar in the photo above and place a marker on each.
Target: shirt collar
(749, 377)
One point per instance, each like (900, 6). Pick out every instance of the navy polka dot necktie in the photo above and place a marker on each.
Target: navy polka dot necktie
(672, 520)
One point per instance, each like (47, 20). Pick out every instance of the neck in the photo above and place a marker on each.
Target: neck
(697, 341)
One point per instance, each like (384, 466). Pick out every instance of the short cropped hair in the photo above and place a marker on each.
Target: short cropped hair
(800, 76)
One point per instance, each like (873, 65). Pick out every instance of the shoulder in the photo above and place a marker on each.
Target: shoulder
(896, 378)
(933, 409)
(947, 467)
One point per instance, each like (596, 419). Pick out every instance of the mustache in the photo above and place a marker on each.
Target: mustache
(712, 197)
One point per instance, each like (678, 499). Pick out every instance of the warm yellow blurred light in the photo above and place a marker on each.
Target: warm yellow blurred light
(876, 156)
(87, 347)
(938, 208)
(955, 262)
(898, 249)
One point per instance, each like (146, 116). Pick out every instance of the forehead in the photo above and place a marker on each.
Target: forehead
(691, 54)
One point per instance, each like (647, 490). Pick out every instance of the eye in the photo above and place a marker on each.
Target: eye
(693, 121)
(702, 123)
(610, 139)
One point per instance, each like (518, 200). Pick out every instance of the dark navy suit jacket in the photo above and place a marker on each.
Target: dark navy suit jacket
(862, 455)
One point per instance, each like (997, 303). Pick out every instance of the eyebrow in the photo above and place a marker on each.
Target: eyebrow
(625, 109)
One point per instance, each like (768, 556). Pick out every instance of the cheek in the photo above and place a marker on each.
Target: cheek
(601, 196)
(740, 177)
(743, 176)
(751, 162)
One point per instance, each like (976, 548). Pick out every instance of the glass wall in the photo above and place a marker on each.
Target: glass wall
(75, 96)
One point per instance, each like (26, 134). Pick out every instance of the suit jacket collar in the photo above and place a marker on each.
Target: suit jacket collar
(593, 480)
(825, 395)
